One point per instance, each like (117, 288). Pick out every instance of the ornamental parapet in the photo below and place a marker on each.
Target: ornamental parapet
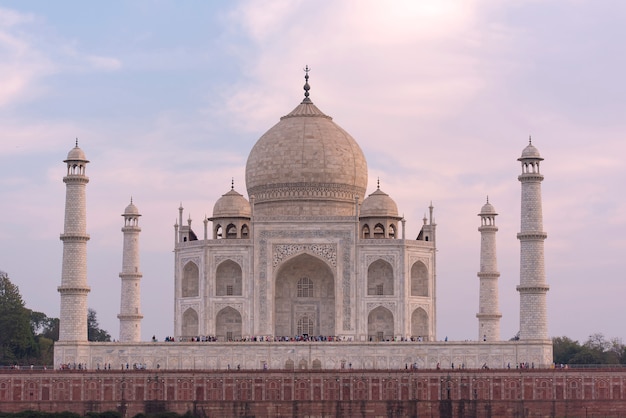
(130, 316)
(488, 228)
(530, 177)
(134, 275)
(76, 178)
(73, 290)
(495, 315)
(74, 237)
(543, 288)
(530, 236)
(489, 275)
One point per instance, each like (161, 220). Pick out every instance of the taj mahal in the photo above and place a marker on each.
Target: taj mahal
(308, 271)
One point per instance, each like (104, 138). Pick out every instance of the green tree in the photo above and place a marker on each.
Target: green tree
(16, 336)
(564, 349)
(94, 333)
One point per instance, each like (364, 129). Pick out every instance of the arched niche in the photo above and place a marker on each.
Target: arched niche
(419, 324)
(228, 279)
(380, 279)
(419, 279)
(380, 324)
(190, 323)
(190, 286)
(228, 325)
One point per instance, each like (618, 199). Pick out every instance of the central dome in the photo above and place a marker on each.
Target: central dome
(306, 164)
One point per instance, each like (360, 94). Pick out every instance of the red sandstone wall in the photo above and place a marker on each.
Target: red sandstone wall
(444, 393)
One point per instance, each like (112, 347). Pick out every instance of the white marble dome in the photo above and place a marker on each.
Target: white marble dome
(379, 205)
(76, 154)
(232, 205)
(531, 152)
(131, 209)
(306, 157)
(488, 209)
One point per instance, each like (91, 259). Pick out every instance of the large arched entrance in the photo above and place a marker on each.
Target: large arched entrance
(304, 301)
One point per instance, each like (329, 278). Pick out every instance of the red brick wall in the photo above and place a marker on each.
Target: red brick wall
(443, 393)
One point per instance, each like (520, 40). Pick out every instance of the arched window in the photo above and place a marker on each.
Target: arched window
(379, 231)
(305, 325)
(218, 232)
(231, 231)
(392, 231)
(305, 288)
(366, 232)
(245, 232)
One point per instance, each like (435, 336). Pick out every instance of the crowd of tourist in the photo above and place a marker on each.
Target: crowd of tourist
(296, 338)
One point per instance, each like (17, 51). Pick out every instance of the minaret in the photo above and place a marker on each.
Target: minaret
(488, 308)
(130, 307)
(532, 287)
(74, 289)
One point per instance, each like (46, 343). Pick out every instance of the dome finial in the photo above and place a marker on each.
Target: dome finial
(487, 198)
(76, 142)
(131, 200)
(232, 183)
(530, 140)
(378, 183)
(306, 85)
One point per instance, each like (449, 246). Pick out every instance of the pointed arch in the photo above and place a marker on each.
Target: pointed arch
(419, 324)
(228, 279)
(380, 324)
(190, 323)
(190, 286)
(245, 231)
(228, 325)
(231, 231)
(392, 231)
(365, 232)
(419, 279)
(379, 231)
(380, 278)
(219, 232)
(304, 285)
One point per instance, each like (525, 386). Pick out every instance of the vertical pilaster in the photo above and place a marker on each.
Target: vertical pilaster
(533, 286)
(130, 307)
(488, 306)
(74, 289)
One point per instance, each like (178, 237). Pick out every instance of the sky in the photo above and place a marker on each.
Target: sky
(167, 98)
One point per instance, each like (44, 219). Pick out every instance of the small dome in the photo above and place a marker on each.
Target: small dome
(379, 205)
(76, 154)
(530, 152)
(488, 209)
(232, 205)
(131, 209)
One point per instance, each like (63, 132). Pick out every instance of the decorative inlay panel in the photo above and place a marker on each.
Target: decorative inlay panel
(389, 305)
(391, 259)
(236, 258)
(185, 260)
(326, 251)
(236, 306)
